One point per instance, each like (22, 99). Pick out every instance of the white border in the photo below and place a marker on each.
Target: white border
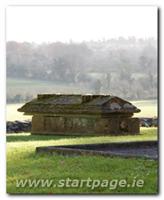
(3, 5)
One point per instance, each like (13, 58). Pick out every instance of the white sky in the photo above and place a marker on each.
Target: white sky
(62, 23)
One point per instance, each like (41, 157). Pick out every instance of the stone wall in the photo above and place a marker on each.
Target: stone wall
(25, 126)
(18, 126)
(95, 125)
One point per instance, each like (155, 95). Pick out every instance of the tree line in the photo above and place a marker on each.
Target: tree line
(123, 67)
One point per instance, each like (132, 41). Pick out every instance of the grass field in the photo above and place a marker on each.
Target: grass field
(15, 83)
(148, 109)
(34, 87)
(23, 163)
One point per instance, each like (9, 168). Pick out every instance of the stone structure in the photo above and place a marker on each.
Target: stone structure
(81, 115)
(18, 126)
(133, 149)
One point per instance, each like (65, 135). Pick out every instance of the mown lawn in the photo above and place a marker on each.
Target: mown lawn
(23, 163)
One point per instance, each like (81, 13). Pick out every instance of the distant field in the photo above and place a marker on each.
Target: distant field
(148, 109)
(34, 87)
(12, 114)
(25, 82)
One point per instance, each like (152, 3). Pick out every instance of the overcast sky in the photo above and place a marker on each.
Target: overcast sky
(57, 23)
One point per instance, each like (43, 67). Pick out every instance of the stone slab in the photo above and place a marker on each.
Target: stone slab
(141, 149)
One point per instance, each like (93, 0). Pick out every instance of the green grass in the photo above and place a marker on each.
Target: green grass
(23, 163)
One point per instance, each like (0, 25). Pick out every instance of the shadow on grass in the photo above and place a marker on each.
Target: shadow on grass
(25, 137)
(20, 137)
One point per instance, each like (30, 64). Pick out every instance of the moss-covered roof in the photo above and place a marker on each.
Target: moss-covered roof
(77, 104)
